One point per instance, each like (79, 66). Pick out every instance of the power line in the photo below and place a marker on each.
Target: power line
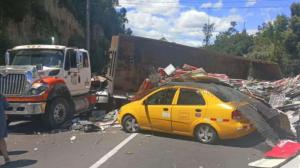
(195, 2)
(186, 2)
(177, 5)
(219, 8)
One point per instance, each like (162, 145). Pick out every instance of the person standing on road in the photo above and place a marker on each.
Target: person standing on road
(3, 128)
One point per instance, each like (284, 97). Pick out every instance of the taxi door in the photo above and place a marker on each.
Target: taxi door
(158, 109)
(189, 107)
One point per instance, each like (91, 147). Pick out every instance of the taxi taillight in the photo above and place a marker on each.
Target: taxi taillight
(236, 115)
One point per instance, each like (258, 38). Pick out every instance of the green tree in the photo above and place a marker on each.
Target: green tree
(233, 42)
(106, 21)
(277, 41)
(269, 43)
(207, 31)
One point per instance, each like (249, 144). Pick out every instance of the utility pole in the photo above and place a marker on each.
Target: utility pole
(88, 28)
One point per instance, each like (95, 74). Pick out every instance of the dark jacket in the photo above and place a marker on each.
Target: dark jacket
(3, 126)
(3, 104)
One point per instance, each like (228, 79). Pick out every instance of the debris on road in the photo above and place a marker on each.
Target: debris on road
(103, 122)
(84, 125)
(129, 153)
(280, 154)
(285, 149)
(109, 120)
(73, 138)
(97, 115)
(111, 116)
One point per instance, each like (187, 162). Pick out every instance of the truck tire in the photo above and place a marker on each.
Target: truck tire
(58, 111)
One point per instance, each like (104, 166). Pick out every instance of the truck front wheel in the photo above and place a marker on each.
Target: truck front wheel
(58, 111)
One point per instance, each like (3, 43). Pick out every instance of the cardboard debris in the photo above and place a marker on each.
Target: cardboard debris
(72, 139)
(100, 124)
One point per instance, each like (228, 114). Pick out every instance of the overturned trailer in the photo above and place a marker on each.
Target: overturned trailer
(133, 58)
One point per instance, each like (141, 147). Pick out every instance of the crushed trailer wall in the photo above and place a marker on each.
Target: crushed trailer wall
(137, 56)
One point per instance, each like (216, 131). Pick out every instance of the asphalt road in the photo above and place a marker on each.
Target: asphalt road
(39, 148)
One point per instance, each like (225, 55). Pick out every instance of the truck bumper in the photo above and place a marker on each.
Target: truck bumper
(26, 108)
(102, 96)
(102, 99)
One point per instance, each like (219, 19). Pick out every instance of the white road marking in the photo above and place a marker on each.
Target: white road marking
(108, 155)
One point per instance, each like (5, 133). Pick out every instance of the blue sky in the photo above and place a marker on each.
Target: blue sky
(181, 21)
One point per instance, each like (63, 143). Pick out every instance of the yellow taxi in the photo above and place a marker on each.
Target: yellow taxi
(199, 110)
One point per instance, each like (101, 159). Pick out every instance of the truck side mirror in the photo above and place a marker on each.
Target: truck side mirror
(67, 66)
(79, 59)
(7, 58)
(67, 63)
(39, 67)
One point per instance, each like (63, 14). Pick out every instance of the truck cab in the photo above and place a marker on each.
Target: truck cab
(49, 80)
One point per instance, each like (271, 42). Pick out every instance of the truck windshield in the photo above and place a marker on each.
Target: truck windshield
(48, 58)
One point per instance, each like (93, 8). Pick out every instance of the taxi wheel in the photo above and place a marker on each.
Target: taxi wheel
(130, 124)
(206, 134)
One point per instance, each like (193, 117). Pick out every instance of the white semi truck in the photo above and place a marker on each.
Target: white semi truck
(48, 80)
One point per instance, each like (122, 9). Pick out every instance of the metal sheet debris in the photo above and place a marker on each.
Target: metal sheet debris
(100, 122)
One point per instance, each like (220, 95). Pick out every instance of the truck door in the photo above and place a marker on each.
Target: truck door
(111, 70)
(85, 71)
(72, 72)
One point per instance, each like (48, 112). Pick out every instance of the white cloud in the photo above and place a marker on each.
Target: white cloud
(146, 21)
(269, 14)
(250, 2)
(153, 6)
(217, 5)
(252, 31)
(182, 26)
(233, 10)
(194, 20)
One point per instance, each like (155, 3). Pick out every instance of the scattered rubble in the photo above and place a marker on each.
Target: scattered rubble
(73, 138)
(96, 122)
(280, 154)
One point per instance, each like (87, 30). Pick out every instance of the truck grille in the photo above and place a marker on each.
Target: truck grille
(12, 84)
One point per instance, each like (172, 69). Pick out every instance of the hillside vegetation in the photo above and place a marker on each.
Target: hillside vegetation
(36, 21)
(277, 41)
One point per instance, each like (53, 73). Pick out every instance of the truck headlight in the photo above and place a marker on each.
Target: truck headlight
(37, 89)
